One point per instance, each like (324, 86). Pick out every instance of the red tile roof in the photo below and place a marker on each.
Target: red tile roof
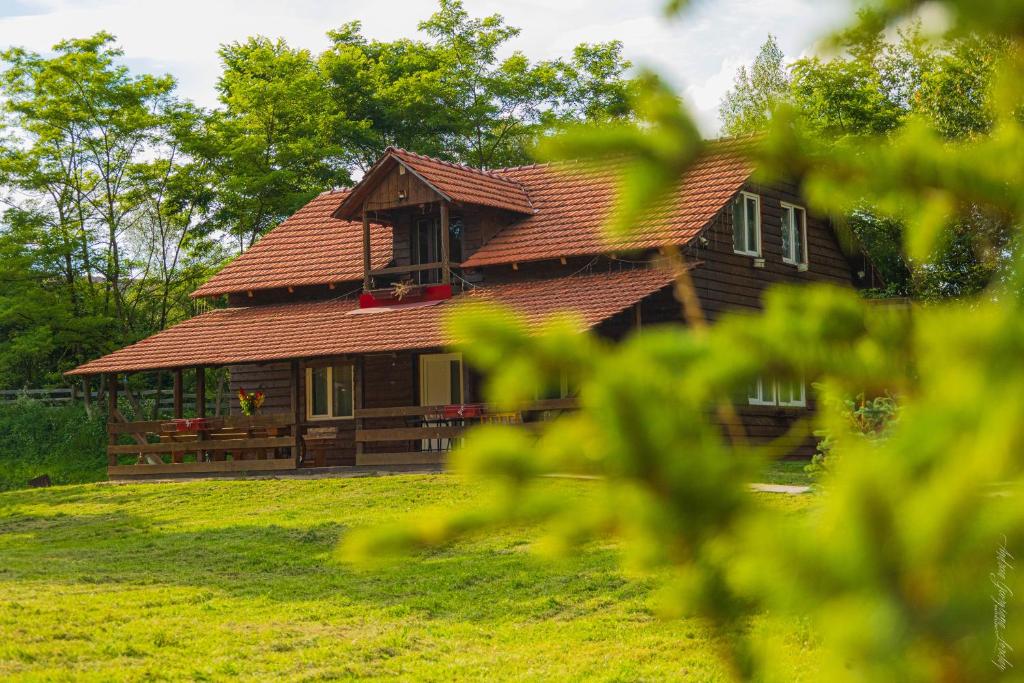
(572, 203)
(310, 248)
(565, 206)
(454, 181)
(326, 328)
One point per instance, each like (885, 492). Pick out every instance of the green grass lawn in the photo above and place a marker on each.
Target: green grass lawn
(222, 579)
(786, 472)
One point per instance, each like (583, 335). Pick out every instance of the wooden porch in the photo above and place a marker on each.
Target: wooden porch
(276, 443)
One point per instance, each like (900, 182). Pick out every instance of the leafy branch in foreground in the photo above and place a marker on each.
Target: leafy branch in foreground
(895, 568)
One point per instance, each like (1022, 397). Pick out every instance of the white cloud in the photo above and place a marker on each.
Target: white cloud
(698, 53)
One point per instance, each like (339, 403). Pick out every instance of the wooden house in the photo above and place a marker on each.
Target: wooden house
(336, 315)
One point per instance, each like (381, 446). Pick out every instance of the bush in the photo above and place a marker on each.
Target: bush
(62, 442)
(870, 419)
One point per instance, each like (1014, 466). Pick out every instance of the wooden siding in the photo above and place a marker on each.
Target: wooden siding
(385, 195)
(273, 379)
(728, 281)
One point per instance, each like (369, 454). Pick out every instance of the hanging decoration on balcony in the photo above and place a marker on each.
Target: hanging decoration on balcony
(401, 289)
(250, 402)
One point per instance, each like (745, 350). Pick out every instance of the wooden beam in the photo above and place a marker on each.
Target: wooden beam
(204, 445)
(408, 433)
(200, 391)
(112, 413)
(413, 268)
(357, 401)
(366, 249)
(446, 271)
(193, 467)
(408, 458)
(296, 408)
(179, 396)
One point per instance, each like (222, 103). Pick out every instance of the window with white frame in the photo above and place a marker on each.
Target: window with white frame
(761, 392)
(746, 224)
(791, 393)
(794, 234)
(769, 392)
(330, 392)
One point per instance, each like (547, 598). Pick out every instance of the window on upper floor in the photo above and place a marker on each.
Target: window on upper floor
(794, 234)
(746, 224)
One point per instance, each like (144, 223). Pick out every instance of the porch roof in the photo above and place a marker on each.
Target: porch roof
(326, 328)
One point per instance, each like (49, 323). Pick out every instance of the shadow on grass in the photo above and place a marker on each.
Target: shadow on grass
(477, 580)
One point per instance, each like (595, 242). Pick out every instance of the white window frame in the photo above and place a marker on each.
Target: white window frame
(800, 402)
(757, 230)
(329, 415)
(788, 213)
(774, 397)
(760, 399)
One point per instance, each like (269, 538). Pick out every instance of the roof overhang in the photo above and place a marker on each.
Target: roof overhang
(314, 329)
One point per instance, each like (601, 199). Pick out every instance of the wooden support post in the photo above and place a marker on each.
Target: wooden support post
(179, 408)
(111, 413)
(201, 435)
(446, 272)
(366, 249)
(200, 391)
(179, 400)
(638, 319)
(357, 401)
(296, 416)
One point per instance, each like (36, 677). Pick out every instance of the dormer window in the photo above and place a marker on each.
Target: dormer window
(794, 235)
(746, 224)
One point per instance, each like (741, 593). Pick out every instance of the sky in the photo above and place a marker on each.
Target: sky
(698, 52)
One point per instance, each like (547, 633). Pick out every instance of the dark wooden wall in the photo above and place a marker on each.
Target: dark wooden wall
(729, 281)
(273, 379)
(395, 184)
(726, 281)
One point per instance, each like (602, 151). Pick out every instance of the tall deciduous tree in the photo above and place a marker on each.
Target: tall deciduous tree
(271, 144)
(747, 107)
(89, 153)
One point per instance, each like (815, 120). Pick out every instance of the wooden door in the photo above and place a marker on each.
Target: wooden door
(440, 379)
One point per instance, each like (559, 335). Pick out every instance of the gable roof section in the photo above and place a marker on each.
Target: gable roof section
(311, 247)
(332, 327)
(454, 182)
(572, 202)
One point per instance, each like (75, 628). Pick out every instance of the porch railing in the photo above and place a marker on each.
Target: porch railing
(216, 444)
(430, 432)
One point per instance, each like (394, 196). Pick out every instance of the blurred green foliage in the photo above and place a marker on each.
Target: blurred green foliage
(903, 572)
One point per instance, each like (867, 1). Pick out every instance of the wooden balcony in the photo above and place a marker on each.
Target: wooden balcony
(218, 444)
(431, 432)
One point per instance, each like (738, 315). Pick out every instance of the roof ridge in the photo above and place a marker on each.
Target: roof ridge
(453, 164)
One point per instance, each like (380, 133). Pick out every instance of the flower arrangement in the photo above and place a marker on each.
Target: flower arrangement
(250, 402)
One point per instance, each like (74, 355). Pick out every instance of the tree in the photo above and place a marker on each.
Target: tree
(88, 161)
(748, 106)
(452, 97)
(271, 147)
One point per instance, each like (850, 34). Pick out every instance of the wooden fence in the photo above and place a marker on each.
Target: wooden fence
(216, 444)
(432, 431)
(65, 395)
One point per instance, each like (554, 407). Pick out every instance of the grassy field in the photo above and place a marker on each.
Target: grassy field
(223, 579)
